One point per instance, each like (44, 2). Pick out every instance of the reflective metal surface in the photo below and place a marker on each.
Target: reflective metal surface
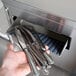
(66, 61)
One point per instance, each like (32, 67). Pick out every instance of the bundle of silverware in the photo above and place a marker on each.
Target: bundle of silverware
(28, 40)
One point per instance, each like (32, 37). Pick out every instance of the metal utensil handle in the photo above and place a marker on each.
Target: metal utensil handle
(26, 51)
(49, 58)
(36, 73)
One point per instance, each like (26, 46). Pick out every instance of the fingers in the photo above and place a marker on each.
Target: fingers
(10, 47)
(18, 56)
(21, 57)
(47, 49)
(9, 51)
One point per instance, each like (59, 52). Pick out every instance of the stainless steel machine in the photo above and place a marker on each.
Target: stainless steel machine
(13, 9)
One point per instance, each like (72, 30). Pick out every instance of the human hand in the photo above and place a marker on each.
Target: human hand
(15, 63)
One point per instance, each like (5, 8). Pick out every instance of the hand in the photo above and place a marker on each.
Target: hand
(15, 63)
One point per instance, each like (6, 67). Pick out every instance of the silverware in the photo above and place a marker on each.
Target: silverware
(26, 49)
